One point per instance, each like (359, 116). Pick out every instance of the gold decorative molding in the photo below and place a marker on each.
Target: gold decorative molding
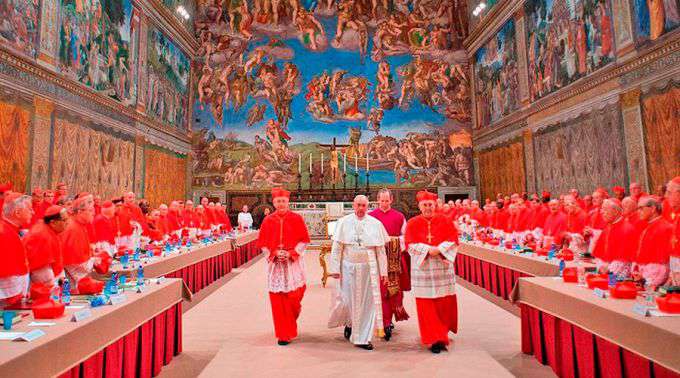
(177, 30)
(489, 22)
(29, 67)
(43, 107)
(631, 98)
(612, 72)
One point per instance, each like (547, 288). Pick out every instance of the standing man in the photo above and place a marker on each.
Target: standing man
(398, 263)
(283, 238)
(653, 247)
(245, 219)
(432, 241)
(104, 229)
(358, 261)
(76, 247)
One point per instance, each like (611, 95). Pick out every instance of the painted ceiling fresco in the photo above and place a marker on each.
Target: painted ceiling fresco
(289, 87)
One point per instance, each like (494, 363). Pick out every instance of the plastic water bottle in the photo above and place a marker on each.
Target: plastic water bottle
(612, 279)
(66, 292)
(125, 260)
(135, 256)
(140, 275)
(562, 266)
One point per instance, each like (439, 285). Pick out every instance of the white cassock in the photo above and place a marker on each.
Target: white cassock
(358, 254)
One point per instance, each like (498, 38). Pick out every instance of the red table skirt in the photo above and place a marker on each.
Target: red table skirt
(572, 351)
(141, 353)
(493, 278)
(201, 274)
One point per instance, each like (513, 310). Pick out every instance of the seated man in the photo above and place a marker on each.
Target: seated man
(43, 246)
(16, 214)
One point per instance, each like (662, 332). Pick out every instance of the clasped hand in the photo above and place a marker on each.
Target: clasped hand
(282, 255)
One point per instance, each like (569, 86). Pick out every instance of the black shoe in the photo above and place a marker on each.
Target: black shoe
(348, 332)
(442, 346)
(283, 342)
(388, 334)
(436, 348)
(368, 346)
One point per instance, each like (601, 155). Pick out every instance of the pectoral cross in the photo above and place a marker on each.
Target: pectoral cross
(429, 233)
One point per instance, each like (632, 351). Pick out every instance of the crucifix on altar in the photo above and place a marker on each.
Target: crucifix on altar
(334, 161)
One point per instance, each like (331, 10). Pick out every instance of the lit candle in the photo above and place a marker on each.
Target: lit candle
(356, 162)
(366, 160)
(300, 163)
(310, 163)
(344, 163)
(322, 164)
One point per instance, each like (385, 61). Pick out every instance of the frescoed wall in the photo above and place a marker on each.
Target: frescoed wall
(653, 18)
(164, 176)
(90, 160)
(19, 25)
(661, 120)
(98, 46)
(585, 153)
(502, 170)
(334, 90)
(566, 40)
(168, 80)
(497, 78)
(14, 132)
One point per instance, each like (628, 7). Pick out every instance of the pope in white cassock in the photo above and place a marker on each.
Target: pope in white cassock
(358, 260)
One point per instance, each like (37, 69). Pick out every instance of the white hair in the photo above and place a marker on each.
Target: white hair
(19, 203)
(360, 197)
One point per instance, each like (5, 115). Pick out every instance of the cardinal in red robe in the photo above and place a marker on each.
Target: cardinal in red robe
(432, 240)
(555, 224)
(283, 238)
(653, 250)
(16, 214)
(615, 248)
(122, 224)
(43, 247)
(104, 228)
(673, 198)
(77, 250)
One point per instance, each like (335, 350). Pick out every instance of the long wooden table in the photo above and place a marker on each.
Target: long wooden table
(497, 270)
(580, 334)
(134, 338)
(200, 266)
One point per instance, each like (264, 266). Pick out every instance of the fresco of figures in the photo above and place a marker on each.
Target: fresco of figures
(656, 17)
(98, 46)
(496, 76)
(566, 40)
(19, 25)
(168, 74)
(334, 89)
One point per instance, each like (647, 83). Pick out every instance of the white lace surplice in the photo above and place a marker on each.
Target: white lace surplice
(288, 275)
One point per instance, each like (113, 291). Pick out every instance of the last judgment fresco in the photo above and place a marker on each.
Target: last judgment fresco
(292, 91)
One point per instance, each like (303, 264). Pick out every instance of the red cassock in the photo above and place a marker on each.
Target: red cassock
(655, 242)
(617, 242)
(555, 225)
(153, 233)
(136, 214)
(188, 219)
(224, 220)
(38, 212)
(540, 215)
(675, 241)
(173, 221)
(104, 230)
(284, 231)
(525, 221)
(480, 216)
(634, 219)
(500, 220)
(209, 217)
(14, 261)
(576, 221)
(162, 225)
(595, 219)
(75, 243)
(122, 222)
(436, 316)
(43, 248)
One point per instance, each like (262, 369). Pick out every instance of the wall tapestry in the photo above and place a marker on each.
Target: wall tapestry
(584, 153)
(164, 176)
(14, 128)
(501, 170)
(661, 120)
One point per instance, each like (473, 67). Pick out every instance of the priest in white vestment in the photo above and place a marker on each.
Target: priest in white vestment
(358, 260)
